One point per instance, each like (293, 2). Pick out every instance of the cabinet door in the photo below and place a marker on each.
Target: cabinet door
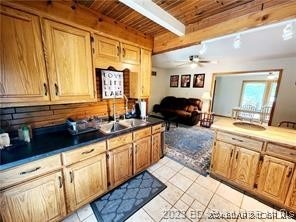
(120, 164)
(130, 54)
(37, 200)
(291, 197)
(222, 158)
(69, 61)
(275, 177)
(156, 147)
(107, 48)
(142, 152)
(145, 73)
(85, 180)
(23, 75)
(244, 167)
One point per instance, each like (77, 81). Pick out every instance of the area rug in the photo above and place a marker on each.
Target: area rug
(122, 202)
(191, 146)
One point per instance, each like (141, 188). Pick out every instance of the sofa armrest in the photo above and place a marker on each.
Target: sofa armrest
(156, 108)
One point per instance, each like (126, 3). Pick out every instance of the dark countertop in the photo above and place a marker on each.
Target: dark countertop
(54, 142)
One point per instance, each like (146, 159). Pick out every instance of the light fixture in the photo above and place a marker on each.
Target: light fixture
(155, 13)
(193, 65)
(288, 31)
(237, 41)
(203, 48)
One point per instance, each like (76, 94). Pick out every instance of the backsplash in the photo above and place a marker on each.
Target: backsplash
(47, 115)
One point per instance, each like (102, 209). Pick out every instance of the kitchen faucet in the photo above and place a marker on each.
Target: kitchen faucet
(126, 105)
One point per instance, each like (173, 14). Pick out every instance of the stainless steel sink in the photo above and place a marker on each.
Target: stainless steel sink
(249, 126)
(133, 122)
(112, 127)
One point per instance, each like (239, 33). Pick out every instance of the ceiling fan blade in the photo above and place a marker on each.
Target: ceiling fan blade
(184, 64)
(208, 61)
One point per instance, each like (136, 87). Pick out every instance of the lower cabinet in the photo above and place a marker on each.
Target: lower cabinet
(156, 147)
(221, 159)
(41, 200)
(142, 153)
(244, 167)
(275, 177)
(85, 180)
(120, 164)
(291, 197)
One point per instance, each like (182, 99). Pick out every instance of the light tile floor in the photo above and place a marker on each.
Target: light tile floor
(189, 197)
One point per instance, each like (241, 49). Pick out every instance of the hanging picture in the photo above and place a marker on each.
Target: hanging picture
(112, 84)
(185, 81)
(199, 80)
(174, 81)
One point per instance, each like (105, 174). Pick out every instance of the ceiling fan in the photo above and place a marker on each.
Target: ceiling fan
(196, 60)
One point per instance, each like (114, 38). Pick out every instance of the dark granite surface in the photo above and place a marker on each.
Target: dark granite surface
(50, 142)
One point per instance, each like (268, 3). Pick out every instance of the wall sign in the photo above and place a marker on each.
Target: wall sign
(112, 84)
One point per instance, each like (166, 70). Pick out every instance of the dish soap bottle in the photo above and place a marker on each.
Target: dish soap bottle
(26, 133)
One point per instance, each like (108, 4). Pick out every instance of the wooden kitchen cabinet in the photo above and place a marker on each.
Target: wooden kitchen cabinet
(130, 54)
(140, 81)
(41, 200)
(291, 197)
(120, 164)
(156, 147)
(85, 180)
(107, 48)
(23, 75)
(222, 158)
(69, 61)
(274, 178)
(244, 167)
(142, 151)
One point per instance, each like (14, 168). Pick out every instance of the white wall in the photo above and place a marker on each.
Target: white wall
(228, 97)
(286, 103)
(158, 87)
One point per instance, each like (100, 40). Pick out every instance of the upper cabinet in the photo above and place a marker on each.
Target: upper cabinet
(112, 52)
(69, 61)
(23, 75)
(145, 73)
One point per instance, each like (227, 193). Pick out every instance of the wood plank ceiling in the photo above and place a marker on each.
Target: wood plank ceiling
(194, 14)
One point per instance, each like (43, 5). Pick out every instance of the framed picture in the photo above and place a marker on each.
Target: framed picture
(185, 81)
(112, 84)
(199, 80)
(174, 81)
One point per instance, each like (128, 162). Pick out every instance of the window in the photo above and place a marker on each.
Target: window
(258, 93)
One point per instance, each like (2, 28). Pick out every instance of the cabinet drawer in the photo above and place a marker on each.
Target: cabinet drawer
(282, 151)
(157, 129)
(28, 171)
(120, 140)
(240, 141)
(142, 133)
(83, 153)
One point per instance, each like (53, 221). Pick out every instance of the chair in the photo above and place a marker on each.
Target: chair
(265, 114)
(288, 124)
(245, 115)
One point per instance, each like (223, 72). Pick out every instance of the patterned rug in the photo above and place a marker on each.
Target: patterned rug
(122, 202)
(190, 146)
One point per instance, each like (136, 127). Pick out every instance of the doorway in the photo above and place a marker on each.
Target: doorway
(254, 90)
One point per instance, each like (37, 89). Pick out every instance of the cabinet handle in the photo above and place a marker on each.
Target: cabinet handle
(87, 152)
(118, 51)
(290, 172)
(293, 154)
(45, 89)
(236, 155)
(123, 50)
(136, 149)
(237, 140)
(30, 171)
(56, 89)
(71, 177)
(231, 153)
(60, 181)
